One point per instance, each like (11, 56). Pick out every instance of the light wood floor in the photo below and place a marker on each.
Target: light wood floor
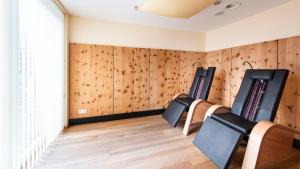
(140, 143)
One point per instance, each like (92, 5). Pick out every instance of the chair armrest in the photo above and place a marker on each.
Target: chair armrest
(179, 95)
(269, 146)
(217, 109)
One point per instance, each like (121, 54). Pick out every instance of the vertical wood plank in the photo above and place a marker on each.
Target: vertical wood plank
(289, 58)
(122, 80)
(90, 80)
(131, 80)
(187, 70)
(164, 77)
(101, 80)
(220, 89)
(141, 81)
(79, 61)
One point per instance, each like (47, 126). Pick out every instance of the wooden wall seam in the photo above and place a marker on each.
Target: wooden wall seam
(113, 80)
(149, 74)
(230, 100)
(277, 42)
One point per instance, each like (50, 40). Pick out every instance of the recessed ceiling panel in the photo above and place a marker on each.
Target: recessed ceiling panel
(175, 8)
(210, 18)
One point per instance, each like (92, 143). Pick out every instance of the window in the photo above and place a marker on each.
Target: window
(40, 114)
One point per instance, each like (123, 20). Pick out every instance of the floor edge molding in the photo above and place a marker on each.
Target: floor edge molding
(112, 117)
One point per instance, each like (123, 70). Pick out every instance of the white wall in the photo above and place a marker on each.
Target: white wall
(66, 75)
(279, 22)
(83, 30)
(6, 85)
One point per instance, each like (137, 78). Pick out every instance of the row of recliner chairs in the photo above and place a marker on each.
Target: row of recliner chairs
(221, 133)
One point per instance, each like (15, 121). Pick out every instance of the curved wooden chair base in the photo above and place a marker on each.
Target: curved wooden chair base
(198, 112)
(270, 146)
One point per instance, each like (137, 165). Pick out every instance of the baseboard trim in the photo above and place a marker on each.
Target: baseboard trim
(114, 117)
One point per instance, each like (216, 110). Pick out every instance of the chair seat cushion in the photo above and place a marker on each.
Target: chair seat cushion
(234, 121)
(174, 112)
(187, 101)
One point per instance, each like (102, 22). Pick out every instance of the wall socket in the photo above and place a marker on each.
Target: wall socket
(82, 111)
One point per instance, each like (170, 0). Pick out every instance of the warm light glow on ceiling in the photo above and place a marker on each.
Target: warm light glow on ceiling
(175, 8)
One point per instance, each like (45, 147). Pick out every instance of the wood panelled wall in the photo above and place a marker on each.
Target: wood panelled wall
(107, 80)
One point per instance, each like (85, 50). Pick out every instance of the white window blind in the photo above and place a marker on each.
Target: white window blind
(40, 115)
(6, 84)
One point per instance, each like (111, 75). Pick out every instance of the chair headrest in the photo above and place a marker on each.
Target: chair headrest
(262, 74)
(209, 75)
(201, 72)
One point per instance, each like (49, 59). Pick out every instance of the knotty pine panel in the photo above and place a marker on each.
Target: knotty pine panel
(289, 58)
(164, 77)
(91, 84)
(187, 70)
(131, 79)
(260, 55)
(220, 89)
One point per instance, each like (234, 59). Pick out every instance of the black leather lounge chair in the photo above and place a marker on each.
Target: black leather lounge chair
(257, 100)
(199, 90)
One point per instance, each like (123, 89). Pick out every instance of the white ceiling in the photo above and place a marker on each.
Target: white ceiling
(124, 11)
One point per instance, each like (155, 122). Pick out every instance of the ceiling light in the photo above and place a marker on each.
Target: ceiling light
(137, 4)
(219, 13)
(136, 7)
(233, 5)
(217, 2)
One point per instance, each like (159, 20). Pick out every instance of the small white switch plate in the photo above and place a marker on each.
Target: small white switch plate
(82, 111)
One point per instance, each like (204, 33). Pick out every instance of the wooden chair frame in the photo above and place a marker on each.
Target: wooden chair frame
(269, 146)
(198, 112)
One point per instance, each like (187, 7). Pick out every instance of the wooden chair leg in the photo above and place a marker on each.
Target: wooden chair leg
(269, 146)
(190, 115)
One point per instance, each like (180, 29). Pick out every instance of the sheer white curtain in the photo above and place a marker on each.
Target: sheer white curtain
(6, 84)
(40, 114)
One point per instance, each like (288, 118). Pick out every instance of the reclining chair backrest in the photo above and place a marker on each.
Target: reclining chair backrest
(201, 83)
(259, 95)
